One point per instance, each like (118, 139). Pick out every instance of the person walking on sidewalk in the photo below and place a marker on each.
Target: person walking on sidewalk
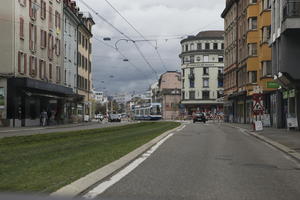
(44, 117)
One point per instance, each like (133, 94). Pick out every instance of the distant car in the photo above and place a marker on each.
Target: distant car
(199, 117)
(114, 118)
(99, 117)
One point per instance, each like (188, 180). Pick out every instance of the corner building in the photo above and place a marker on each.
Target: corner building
(202, 72)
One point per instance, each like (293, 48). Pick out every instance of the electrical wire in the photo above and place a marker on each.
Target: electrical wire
(138, 32)
(119, 31)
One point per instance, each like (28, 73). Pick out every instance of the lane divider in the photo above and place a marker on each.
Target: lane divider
(117, 177)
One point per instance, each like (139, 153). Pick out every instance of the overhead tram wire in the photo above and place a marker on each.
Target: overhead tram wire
(118, 30)
(138, 32)
(124, 57)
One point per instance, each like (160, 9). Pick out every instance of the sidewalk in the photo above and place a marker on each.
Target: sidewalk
(290, 139)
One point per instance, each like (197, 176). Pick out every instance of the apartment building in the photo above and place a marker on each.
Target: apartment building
(247, 57)
(169, 94)
(71, 23)
(31, 68)
(202, 72)
(84, 72)
(285, 43)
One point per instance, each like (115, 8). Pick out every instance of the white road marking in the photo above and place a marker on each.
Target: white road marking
(114, 179)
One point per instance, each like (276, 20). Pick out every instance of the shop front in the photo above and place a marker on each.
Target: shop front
(28, 98)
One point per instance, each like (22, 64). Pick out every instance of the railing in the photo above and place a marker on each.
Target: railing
(291, 9)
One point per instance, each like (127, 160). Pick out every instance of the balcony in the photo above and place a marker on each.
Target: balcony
(291, 15)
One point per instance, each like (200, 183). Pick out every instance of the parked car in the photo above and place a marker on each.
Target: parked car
(199, 117)
(114, 118)
(99, 117)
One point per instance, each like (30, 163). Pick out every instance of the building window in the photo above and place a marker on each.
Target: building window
(215, 46)
(252, 23)
(192, 47)
(22, 63)
(199, 46)
(222, 46)
(192, 83)
(221, 59)
(32, 66)
(50, 46)
(50, 18)
(266, 68)
(192, 95)
(205, 58)
(79, 37)
(205, 70)
(50, 71)
(57, 47)
(252, 76)
(252, 1)
(43, 39)
(266, 4)
(21, 28)
(207, 46)
(183, 95)
(42, 69)
(206, 82)
(43, 10)
(192, 59)
(58, 74)
(252, 49)
(90, 67)
(205, 95)
(186, 47)
(32, 37)
(32, 9)
(22, 3)
(266, 33)
(57, 20)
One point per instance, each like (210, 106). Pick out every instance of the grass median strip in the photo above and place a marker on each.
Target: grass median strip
(45, 163)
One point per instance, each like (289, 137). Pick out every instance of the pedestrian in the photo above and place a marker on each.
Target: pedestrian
(44, 117)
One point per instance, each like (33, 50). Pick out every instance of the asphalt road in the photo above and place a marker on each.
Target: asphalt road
(63, 128)
(210, 161)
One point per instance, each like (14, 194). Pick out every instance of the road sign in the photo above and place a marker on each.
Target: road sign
(258, 105)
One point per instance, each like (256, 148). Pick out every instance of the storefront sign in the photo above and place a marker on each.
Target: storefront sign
(258, 126)
(292, 93)
(2, 100)
(292, 122)
(272, 85)
(285, 95)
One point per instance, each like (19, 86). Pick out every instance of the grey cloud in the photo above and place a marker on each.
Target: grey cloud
(155, 18)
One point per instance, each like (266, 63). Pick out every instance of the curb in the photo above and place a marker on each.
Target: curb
(292, 153)
(83, 184)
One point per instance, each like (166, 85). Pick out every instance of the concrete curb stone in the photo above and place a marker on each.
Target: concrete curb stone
(271, 142)
(83, 184)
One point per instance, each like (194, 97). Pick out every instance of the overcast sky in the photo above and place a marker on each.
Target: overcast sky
(162, 20)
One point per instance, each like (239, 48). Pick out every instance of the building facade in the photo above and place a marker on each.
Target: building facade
(84, 71)
(31, 68)
(285, 44)
(169, 94)
(202, 72)
(247, 58)
(71, 23)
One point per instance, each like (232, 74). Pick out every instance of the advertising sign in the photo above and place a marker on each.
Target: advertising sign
(2, 100)
(272, 85)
